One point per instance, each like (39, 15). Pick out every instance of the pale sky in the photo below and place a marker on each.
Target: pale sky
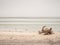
(29, 8)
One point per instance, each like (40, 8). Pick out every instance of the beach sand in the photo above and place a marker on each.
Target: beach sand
(30, 38)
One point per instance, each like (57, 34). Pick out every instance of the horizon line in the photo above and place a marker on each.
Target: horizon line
(30, 17)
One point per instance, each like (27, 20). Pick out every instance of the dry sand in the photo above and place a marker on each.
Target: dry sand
(17, 38)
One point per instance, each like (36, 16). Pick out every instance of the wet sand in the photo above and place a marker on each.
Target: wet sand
(17, 38)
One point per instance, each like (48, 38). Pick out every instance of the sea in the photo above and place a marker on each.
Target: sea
(28, 24)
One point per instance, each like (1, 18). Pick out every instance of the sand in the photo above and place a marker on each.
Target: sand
(30, 38)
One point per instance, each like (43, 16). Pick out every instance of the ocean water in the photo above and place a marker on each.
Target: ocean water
(12, 24)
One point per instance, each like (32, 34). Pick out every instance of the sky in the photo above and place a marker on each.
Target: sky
(29, 8)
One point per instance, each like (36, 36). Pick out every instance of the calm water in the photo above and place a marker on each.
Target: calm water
(27, 27)
(25, 24)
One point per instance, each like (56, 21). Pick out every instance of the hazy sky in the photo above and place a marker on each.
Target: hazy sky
(29, 8)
